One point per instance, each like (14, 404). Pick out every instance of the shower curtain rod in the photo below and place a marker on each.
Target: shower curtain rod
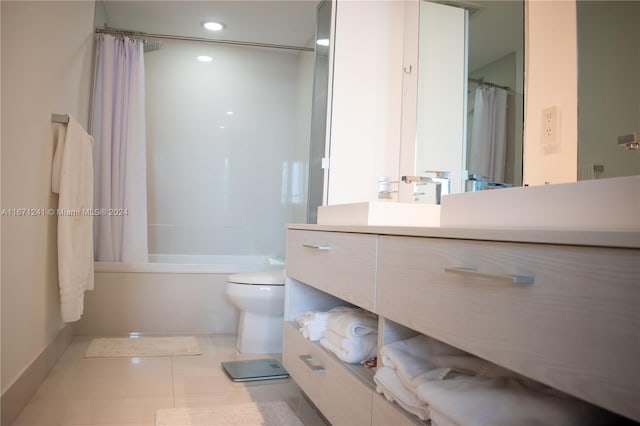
(481, 81)
(119, 32)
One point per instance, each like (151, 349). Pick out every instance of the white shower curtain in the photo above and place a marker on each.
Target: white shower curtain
(118, 127)
(489, 134)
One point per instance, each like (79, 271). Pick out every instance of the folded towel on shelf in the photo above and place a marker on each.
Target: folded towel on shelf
(313, 332)
(439, 419)
(313, 316)
(353, 323)
(313, 323)
(480, 401)
(350, 350)
(389, 384)
(414, 357)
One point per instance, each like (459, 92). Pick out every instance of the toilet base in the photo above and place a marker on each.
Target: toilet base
(260, 334)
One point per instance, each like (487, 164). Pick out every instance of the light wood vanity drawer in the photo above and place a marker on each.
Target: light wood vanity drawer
(340, 264)
(342, 398)
(384, 413)
(576, 327)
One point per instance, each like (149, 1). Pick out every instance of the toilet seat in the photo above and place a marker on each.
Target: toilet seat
(275, 278)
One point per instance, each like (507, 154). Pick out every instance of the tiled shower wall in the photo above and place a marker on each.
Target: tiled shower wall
(227, 147)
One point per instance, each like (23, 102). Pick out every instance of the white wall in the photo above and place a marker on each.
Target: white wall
(366, 98)
(550, 79)
(230, 190)
(46, 68)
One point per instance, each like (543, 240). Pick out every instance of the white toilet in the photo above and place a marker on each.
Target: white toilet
(260, 298)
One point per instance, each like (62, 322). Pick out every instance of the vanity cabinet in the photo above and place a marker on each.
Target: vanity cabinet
(564, 315)
(339, 264)
(331, 269)
(339, 394)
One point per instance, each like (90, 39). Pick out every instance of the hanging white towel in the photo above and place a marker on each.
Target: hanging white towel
(72, 178)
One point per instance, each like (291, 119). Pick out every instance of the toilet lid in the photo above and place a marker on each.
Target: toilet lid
(263, 277)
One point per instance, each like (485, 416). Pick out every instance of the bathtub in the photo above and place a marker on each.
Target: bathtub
(193, 264)
(172, 294)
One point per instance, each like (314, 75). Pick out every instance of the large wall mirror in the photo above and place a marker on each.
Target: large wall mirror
(608, 87)
(471, 56)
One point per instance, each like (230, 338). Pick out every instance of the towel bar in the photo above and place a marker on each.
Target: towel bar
(60, 118)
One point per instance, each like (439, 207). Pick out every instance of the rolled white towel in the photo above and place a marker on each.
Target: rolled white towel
(353, 350)
(353, 323)
(484, 401)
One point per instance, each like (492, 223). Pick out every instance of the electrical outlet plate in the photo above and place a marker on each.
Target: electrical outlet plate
(550, 130)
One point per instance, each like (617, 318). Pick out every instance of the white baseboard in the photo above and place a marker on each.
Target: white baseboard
(22, 390)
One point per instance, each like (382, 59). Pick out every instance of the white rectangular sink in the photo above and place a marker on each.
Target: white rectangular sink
(380, 213)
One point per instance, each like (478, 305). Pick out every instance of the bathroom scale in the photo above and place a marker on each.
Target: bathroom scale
(254, 369)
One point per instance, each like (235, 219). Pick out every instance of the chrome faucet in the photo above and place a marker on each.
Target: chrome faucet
(439, 178)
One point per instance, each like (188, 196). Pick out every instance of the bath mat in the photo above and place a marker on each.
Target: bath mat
(272, 413)
(113, 347)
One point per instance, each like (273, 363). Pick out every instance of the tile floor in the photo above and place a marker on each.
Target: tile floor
(128, 391)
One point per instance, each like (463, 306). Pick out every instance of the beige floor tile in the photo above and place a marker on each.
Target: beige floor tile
(230, 396)
(194, 384)
(128, 391)
(109, 367)
(62, 386)
(205, 365)
(114, 424)
(53, 412)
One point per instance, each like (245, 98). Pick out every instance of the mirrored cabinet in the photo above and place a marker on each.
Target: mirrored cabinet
(405, 81)
(466, 69)
(423, 86)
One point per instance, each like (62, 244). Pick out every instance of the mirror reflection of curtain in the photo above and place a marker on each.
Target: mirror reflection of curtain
(118, 127)
(489, 134)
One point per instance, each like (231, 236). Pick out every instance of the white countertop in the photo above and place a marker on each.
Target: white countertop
(530, 235)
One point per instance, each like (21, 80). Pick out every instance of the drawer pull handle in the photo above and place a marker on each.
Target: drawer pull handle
(307, 360)
(515, 279)
(316, 247)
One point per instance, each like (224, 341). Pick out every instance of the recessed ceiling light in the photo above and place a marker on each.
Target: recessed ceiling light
(213, 26)
(229, 112)
(204, 58)
(322, 42)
